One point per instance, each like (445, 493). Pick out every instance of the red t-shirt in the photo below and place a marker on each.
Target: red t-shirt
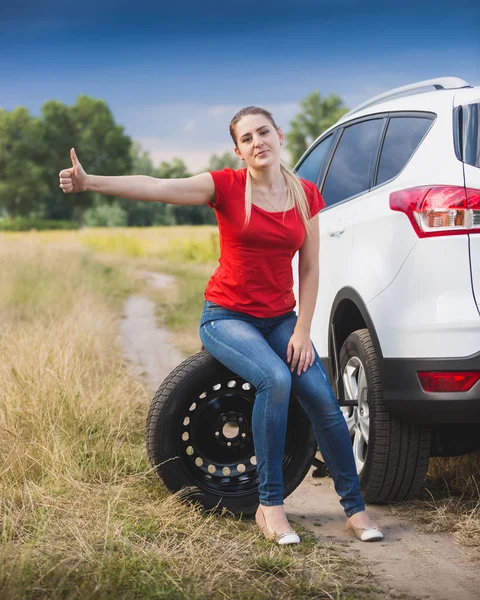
(255, 275)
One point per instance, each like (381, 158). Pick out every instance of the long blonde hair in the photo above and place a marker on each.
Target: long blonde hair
(295, 190)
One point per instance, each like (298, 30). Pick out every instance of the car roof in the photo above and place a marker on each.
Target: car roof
(424, 101)
(433, 101)
(411, 100)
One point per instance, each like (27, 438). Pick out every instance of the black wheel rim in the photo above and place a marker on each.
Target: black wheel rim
(215, 440)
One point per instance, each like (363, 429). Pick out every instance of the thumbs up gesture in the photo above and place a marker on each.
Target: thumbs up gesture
(75, 178)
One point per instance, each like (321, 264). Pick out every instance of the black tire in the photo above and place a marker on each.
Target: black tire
(397, 452)
(199, 398)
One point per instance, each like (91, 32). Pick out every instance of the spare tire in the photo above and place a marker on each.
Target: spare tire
(199, 437)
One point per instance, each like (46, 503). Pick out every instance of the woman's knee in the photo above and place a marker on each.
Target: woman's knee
(276, 378)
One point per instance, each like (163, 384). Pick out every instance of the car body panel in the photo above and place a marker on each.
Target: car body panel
(335, 267)
(420, 294)
(429, 310)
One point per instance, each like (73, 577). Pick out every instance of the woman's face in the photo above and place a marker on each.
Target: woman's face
(258, 142)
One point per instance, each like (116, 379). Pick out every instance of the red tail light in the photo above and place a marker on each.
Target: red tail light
(452, 381)
(440, 209)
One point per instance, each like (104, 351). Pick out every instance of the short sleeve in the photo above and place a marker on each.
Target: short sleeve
(223, 181)
(314, 198)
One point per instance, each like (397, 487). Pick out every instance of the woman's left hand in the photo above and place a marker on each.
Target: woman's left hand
(300, 351)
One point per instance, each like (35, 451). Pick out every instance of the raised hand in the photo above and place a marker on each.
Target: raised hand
(75, 178)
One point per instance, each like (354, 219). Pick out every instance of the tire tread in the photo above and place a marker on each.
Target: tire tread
(398, 451)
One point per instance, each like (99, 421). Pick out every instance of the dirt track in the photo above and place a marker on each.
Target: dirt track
(407, 562)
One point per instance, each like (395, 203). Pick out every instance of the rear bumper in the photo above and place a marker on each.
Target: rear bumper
(403, 393)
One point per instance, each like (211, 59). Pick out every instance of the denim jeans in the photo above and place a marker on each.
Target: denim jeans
(256, 349)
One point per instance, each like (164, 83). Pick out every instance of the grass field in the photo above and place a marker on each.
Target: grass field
(452, 496)
(82, 515)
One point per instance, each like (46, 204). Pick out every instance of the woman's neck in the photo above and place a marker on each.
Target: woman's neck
(270, 179)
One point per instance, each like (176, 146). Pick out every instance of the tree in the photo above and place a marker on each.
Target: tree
(144, 214)
(317, 115)
(218, 162)
(184, 214)
(22, 184)
(100, 144)
(105, 215)
(173, 170)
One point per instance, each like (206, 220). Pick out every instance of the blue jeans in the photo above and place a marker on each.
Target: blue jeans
(256, 349)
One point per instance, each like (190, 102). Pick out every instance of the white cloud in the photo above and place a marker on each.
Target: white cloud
(162, 149)
(214, 111)
(279, 110)
(159, 130)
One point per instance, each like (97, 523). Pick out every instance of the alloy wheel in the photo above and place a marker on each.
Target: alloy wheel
(357, 417)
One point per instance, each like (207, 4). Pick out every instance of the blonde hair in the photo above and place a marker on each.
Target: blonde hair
(295, 190)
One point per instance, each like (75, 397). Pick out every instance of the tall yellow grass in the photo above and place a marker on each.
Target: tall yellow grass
(177, 245)
(174, 244)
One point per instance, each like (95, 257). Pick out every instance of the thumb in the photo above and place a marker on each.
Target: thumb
(73, 156)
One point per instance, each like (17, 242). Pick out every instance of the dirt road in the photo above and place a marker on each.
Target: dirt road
(407, 563)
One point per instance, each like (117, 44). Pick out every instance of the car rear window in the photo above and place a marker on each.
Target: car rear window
(402, 138)
(471, 134)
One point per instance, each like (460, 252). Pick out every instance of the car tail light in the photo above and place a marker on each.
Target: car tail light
(439, 209)
(448, 381)
(473, 203)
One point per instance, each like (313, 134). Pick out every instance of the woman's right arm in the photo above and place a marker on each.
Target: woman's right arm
(195, 190)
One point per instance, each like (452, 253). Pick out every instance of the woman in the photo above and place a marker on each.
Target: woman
(265, 214)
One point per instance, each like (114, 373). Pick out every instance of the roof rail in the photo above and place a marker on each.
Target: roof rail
(441, 83)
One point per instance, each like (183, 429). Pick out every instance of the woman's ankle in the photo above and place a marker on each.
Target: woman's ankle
(278, 509)
(276, 517)
(360, 519)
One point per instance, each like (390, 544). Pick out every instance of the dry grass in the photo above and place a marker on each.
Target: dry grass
(81, 513)
(179, 244)
(452, 498)
(451, 502)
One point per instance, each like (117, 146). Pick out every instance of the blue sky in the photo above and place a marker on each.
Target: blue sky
(174, 75)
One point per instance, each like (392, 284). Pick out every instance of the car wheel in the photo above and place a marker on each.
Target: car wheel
(199, 437)
(391, 454)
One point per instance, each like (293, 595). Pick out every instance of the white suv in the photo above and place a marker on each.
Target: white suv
(397, 322)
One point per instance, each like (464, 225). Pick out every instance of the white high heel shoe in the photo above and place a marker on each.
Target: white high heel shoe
(284, 538)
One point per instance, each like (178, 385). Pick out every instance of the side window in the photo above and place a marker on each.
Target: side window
(350, 170)
(310, 167)
(471, 134)
(403, 136)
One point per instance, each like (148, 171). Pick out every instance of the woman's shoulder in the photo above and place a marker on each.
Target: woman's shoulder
(314, 197)
(231, 172)
(227, 180)
(307, 184)
(229, 175)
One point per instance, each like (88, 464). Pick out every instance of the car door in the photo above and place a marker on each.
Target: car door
(383, 240)
(347, 177)
(469, 101)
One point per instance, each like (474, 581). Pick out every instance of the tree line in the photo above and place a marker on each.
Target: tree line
(33, 150)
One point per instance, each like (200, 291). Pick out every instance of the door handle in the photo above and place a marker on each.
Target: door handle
(339, 229)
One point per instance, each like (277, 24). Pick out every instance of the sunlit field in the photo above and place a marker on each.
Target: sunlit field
(175, 244)
(82, 515)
